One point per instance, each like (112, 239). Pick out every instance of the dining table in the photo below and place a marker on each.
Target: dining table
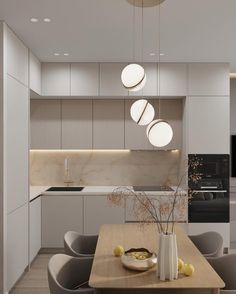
(108, 275)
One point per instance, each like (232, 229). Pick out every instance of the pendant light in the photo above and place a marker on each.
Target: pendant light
(159, 131)
(142, 112)
(133, 76)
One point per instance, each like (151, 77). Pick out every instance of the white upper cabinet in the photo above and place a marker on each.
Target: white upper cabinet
(173, 79)
(208, 125)
(45, 124)
(35, 74)
(108, 124)
(110, 79)
(208, 79)
(17, 58)
(84, 79)
(171, 110)
(135, 135)
(77, 124)
(150, 88)
(56, 79)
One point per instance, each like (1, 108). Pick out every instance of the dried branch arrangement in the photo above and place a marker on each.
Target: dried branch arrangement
(164, 210)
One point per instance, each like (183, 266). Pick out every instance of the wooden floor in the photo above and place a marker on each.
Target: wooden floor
(35, 281)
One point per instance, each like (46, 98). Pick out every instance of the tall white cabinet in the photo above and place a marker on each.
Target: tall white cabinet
(207, 123)
(15, 113)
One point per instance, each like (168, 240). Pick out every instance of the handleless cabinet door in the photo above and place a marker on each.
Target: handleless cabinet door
(59, 215)
(35, 227)
(208, 79)
(17, 58)
(17, 244)
(76, 124)
(17, 145)
(208, 125)
(135, 135)
(110, 79)
(97, 212)
(173, 79)
(108, 124)
(56, 79)
(84, 79)
(45, 124)
(35, 74)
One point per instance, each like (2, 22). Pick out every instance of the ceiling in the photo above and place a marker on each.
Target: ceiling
(102, 30)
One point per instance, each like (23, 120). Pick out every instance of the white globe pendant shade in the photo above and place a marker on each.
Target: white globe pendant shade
(133, 77)
(142, 112)
(159, 133)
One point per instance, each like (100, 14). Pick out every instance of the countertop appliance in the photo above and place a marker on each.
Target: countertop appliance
(152, 188)
(208, 184)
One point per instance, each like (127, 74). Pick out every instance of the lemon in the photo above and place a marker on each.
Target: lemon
(118, 250)
(180, 264)
(188, 269)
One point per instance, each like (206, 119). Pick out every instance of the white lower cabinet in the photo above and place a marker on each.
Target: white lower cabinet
(97, 211)
(59, 215)
(35, 227)
(17, 244)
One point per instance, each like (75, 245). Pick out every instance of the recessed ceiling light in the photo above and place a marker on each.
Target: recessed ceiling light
(162, 54)
(56, 54)
(46, 19)
(34, 19)
(152, 54)
(66, 54)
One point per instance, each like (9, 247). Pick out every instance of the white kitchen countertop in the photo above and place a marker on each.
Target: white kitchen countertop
(92, 191)
(35, 191)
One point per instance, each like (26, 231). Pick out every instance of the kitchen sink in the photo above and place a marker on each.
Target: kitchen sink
(62, 189)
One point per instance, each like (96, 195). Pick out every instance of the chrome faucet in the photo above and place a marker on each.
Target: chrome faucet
(67, 179)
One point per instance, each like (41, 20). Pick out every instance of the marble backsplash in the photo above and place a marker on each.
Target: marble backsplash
(105, 168)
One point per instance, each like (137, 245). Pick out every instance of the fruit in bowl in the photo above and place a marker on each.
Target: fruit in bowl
(139, 259)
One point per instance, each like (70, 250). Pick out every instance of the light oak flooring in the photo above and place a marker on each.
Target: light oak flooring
(34, 281)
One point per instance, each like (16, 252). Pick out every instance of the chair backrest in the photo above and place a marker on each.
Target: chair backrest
(80, 245)
(225, 266)
(67, 272)
(209, 243)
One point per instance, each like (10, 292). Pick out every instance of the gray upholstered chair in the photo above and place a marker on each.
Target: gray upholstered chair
(80, 245)
(67, 274)
(225, 266)
(210, 244)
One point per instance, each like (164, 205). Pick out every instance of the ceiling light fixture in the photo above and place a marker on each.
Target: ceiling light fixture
(159, 131)
(46, 19)
(152, 54)
(66, 54)
(133, 76)
(142, 112)
(56, 54)
(34, 19)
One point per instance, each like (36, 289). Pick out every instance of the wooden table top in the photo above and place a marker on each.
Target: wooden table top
(108, 272)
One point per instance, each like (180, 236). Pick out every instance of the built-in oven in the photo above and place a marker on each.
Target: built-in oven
(208, 182)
